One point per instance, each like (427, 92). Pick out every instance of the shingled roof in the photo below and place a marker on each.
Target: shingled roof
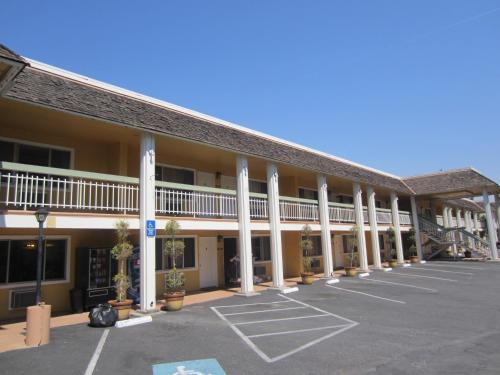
(465, 203)
(72, 95)
(11, 55)
(467, 181)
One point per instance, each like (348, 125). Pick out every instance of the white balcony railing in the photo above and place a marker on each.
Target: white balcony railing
(28, 187)
(296, 209)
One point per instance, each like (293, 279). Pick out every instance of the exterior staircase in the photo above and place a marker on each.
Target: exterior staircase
(441, 238)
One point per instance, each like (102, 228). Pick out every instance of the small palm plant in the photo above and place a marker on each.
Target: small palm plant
(173, 248)
(391, 238)
(306, 246)
(352, 258)
(121, 252)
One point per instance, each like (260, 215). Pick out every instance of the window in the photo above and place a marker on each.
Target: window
(346, 199)
(308, 194)
(34, 155)
(18, 260)
(378, 204)
(316, 250)
(261, 248)
(177, 175)
(187, 260)
(257, 187)
(350, 243)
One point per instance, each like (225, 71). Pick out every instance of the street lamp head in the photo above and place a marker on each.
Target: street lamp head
(41, 214)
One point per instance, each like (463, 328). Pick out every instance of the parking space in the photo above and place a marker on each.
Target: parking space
(444, 323)
(280, 328)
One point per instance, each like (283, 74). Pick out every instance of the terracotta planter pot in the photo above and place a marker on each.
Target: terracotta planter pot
(123, 308)
(174, 300)
(393, 263)
(307, 278)
(351, 271)
(414, 259)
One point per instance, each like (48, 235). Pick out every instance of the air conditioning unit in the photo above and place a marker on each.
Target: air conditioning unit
(21, 298)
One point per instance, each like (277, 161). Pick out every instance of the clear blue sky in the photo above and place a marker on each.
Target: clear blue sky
(404, 86)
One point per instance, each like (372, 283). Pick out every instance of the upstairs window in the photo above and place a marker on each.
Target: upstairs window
(44, 156)
(308, 194)
(255, 186)
(346, 199)
(176, 175)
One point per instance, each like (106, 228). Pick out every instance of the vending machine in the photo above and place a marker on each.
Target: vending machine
(134, 276)
(95, 268)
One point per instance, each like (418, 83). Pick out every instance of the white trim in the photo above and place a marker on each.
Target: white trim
(95, 83)
(28, 284)
(71, 150)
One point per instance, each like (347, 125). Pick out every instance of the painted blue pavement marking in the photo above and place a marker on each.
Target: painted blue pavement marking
(198, 367)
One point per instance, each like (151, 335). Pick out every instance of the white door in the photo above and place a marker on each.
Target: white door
(208, 261)
(338, 246)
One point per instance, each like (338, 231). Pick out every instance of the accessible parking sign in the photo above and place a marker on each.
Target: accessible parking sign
(197, 367)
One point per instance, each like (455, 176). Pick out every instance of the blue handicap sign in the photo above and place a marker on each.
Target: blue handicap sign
(198, 367)
(150, 228)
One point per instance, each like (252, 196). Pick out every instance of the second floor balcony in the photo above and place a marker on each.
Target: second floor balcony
(26, 187)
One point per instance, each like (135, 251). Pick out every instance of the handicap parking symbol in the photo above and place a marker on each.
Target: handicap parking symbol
(150, 228)
(197, 367)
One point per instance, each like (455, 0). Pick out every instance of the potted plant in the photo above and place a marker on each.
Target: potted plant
(413, 248)
(174, 279)
(121, 252)
(306, 245)
(391, 238)
(352, 270)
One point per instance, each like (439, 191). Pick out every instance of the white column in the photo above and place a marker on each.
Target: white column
(458, 212)
(476, 221)
(372, 218)
(497, 203)
(360, 223)
(147, 213)
(397, 227)
(416, 227)
(446, 217)
(491, 227)
(245, 238)
(324, 219)
(273, 201)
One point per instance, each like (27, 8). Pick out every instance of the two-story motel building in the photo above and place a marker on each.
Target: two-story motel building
(93, 153)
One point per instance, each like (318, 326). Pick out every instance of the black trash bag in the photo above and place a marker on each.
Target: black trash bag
(103, 315)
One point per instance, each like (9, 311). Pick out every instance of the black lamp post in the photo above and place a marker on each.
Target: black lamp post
(41, 215)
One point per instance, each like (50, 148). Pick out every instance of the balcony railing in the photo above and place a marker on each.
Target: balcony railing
(28, 187)
(297, 209)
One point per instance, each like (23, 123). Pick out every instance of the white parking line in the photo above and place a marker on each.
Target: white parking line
(297, 331)
(437, 270)
(367, 294)
(260, 352)
(97, 353)
(453, 266)
(263, 311)
(402, 284)
(423, 276)
(279, 319)
(252, 304)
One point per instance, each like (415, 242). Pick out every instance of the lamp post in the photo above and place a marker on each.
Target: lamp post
(41, 215)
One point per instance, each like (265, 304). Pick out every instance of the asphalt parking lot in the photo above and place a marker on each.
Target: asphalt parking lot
(434, 318)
